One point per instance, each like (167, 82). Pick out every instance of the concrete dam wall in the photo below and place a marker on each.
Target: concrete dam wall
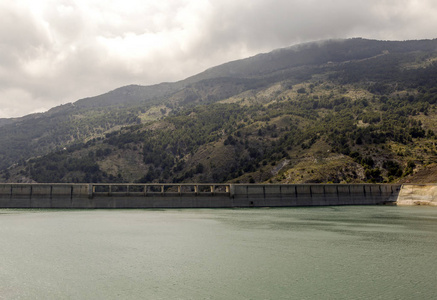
(193, 195)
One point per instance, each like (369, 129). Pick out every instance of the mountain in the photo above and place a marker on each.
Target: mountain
(352, 110)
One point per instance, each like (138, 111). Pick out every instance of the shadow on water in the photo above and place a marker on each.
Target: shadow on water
(364, 221)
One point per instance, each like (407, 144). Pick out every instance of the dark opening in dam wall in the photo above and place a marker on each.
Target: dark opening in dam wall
(193, 195)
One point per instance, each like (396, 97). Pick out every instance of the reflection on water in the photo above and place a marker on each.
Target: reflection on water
(287, 253)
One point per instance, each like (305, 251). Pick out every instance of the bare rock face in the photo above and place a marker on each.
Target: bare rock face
(418, 194)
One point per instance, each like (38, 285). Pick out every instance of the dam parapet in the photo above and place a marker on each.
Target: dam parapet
(194, 195)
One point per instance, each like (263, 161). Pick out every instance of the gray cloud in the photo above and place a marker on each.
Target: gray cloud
(58, 51)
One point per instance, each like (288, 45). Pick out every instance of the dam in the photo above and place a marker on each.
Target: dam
(93, 195)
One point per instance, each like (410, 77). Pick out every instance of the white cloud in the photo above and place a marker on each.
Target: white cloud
(57, 51)
(20, 100)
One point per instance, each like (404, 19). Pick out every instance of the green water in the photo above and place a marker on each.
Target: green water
(294, 253)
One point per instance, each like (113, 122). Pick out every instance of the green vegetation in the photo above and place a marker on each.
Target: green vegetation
(358, 111)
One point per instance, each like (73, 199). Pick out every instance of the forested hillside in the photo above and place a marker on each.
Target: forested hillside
(339, 111)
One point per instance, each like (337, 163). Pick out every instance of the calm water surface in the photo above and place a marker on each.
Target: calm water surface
(294, 253)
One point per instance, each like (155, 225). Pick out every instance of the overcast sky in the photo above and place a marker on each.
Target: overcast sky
(58, 51)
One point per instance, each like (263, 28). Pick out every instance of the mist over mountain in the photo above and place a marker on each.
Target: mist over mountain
(352, 110)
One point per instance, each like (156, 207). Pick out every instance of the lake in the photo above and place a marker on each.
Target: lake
(343, 252)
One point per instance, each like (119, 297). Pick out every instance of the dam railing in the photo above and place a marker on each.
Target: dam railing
(162, 189)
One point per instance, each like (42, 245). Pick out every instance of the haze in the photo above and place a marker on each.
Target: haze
(54, 52)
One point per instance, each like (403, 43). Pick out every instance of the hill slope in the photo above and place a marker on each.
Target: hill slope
(336, 111)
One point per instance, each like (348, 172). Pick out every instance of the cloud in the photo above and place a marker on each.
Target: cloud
(58, 51)
(20, 98)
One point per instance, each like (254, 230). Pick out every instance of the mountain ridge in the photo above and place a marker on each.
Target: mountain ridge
(137, 93)
(282, 96)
